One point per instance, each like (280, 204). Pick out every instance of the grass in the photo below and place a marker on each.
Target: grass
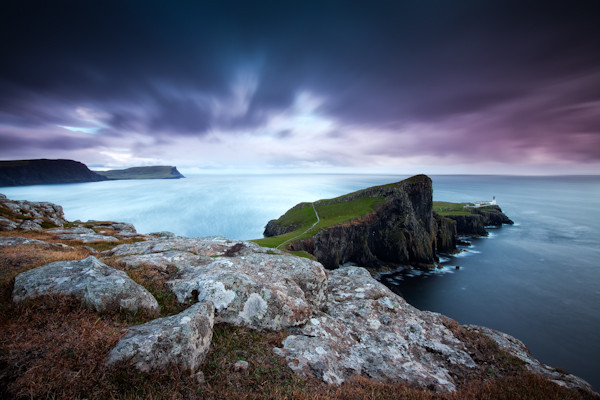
(331, 212)
(445, 208)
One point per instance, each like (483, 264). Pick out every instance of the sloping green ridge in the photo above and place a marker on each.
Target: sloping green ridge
(331, 212)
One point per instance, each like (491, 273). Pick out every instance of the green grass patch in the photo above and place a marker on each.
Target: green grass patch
(446, 208)
(331, 212)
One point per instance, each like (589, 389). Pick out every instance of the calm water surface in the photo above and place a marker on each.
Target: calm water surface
(538, 280)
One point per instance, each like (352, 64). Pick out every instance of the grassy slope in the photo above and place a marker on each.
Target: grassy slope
(155, 172)
(446, 208)
(330, 212)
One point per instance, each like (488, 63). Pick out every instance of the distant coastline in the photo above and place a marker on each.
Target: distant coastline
(47, 172)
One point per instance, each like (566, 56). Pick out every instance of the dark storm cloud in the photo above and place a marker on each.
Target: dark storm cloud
(171, 67)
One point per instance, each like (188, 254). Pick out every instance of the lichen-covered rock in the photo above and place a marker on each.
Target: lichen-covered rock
(368, 330)
(518, 349)
(82, 234)
(249, 285)
(28, 215)
(208, 246)
(261, 291)
(10, 241)
(180, 340)
(101, 287)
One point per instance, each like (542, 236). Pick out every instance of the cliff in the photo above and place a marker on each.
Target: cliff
(151, 172)
(382, 227)
(160, 316)
(398, 230)
(44, 172)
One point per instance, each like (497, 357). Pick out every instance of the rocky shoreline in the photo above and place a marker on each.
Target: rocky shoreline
(340, 325)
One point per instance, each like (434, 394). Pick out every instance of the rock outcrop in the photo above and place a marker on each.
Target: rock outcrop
(180, 341)
(45, 172)
(28, 215)
(368, 330)
(101, 287)
(249, 285)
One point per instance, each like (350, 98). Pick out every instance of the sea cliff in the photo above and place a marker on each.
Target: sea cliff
(400, 229)
(45, 172)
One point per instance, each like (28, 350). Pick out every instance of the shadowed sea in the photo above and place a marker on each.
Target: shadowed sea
(538, 280)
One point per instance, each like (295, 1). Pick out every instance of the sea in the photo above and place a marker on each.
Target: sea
(538, 280)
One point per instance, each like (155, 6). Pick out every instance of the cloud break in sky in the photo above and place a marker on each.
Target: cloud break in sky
(395, 86)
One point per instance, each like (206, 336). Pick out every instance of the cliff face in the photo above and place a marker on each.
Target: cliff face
(475, 223)
(399, 232)
(445, 235)
(44, 172)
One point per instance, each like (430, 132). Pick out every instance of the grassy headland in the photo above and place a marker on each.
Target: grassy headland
(331, 212)
(153, 172)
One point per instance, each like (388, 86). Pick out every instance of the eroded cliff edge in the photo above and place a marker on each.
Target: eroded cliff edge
(400, 229)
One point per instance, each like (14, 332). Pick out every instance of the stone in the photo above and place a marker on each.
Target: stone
(368, 330)
(7, 224)
(11, 241)
(101, 287)
(180, 340)
(240, 365)
(25, 215)
(259, 291)
(209, 246)
(249, 285)
(29, 225)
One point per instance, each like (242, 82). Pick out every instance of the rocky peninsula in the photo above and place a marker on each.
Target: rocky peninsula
(107, 312)
(387, 227)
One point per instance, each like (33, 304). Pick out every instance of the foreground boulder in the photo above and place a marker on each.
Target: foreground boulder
(249, 285)
(368, 330)
(180, 340)
(101, 287)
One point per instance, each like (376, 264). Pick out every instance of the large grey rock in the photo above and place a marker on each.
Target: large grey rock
(180, 340)
(81, 234)
(208, 246)
(368, 330)
(100, 286)
(518, 349)
(260, 291)
(162, 261)
(249, 285)
(10, 241)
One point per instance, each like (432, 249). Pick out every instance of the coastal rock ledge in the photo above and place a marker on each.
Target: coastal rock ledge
(337, 325)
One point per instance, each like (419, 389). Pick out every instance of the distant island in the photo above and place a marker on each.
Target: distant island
(381, 227)
(153, 172)
(46, 172)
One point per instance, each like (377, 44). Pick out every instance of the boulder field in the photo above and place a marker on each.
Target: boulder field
(341, 324)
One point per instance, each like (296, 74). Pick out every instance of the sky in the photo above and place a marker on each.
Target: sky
(448, 86)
